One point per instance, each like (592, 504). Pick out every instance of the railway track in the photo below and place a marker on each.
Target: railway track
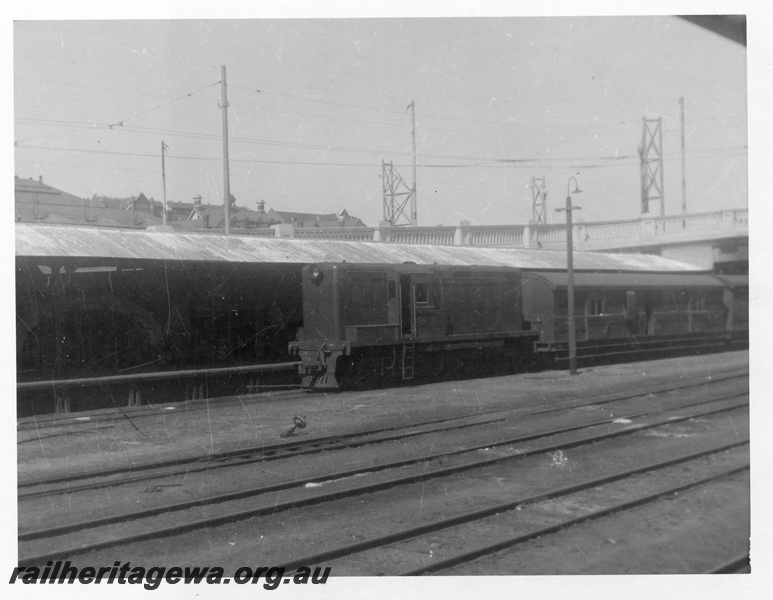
(507, 544)
(184, 466)
(237, 458)
(35, 424)
(475, 518)
(110, 532)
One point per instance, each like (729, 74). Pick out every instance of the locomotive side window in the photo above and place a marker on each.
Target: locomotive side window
(422, 293)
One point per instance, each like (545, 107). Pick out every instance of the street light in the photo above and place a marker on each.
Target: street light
(570, 272)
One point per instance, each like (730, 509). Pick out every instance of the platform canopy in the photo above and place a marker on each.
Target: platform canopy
(627, 281)
(95, 243)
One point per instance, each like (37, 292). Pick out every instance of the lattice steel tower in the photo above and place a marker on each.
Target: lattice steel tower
(651, 158)
(397, 196)
(539, 196)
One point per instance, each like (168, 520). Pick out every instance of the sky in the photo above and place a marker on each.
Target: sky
(316, 104)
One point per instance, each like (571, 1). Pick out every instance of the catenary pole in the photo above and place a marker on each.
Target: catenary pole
(163, 180)
(684, 161)
(414, 217)
(226, 174)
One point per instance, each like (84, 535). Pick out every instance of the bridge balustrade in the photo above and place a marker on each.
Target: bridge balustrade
(608, 235)
(496, 235)
(352, 234)
(435, 236)
(548, 235)
(612, 230)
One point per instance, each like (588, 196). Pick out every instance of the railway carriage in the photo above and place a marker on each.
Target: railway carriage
(634, 312)
(736, 295)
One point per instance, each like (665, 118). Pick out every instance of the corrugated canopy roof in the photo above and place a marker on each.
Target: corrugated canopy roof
(42, 240)
(626, 280)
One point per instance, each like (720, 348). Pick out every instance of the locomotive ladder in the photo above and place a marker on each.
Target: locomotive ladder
(408, 350)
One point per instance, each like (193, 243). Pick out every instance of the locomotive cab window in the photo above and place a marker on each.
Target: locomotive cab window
(421, 293)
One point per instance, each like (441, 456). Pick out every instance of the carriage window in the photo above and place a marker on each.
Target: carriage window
(630, 304)
(696, 303)
(596, 306)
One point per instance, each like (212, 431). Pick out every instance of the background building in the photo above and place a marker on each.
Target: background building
(37, 202)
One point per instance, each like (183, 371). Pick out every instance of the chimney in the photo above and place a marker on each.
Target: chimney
(262, 207)
(40, 178)
(197, 201)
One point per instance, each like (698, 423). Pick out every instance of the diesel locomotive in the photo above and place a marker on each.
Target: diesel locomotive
(368, 321)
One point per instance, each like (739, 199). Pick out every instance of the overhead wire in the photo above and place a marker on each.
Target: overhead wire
(345, 149)
(121, 126)
(172, 101)
(508, 121)
(488, 163)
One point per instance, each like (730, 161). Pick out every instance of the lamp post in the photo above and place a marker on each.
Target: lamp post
(572, 333)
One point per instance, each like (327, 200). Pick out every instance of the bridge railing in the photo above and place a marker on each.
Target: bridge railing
(717, 221)
(589, 236)
(435, 236)
(353, 234)
(494, 235)
(612, 230)
(547, 236)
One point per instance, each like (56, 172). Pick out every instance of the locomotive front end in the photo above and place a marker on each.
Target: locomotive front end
(321, 339)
